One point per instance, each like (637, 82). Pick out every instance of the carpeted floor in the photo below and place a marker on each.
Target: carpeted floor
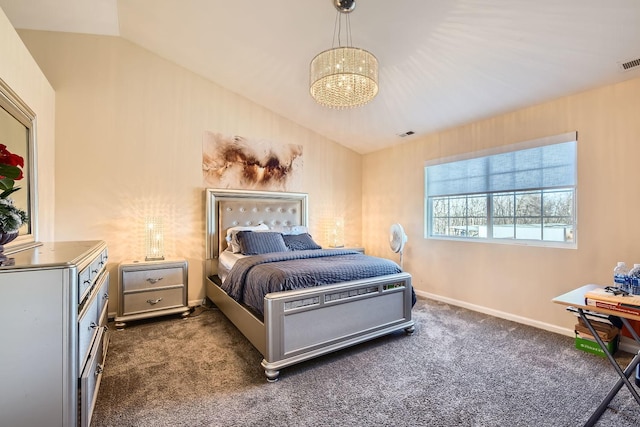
(460, 368)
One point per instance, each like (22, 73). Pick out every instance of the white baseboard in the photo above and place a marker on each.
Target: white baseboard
(626, 344)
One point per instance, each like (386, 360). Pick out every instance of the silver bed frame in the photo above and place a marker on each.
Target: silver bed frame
(302, 324)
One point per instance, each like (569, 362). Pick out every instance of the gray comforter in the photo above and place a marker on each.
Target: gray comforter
(253, 277)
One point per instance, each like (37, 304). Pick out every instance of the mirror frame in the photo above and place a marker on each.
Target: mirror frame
(12, 104)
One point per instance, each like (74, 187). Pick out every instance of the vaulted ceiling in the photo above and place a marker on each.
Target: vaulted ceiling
(442, 63)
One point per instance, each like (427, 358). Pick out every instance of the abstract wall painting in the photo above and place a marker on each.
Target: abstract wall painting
(242, 163)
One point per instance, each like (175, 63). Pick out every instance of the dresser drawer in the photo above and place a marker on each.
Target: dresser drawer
(84, 283)
(148, 279)
(88, 276)
(88, 325)
(92, 318)
(159, 299)
(103, 295)
(91, 376)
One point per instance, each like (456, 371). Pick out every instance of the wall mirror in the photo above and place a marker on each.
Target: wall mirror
(18, 134)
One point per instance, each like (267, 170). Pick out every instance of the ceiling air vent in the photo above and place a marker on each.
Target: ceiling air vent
(629, 65)
(407, 133)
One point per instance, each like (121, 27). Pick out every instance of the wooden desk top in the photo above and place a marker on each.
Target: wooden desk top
(576, 299)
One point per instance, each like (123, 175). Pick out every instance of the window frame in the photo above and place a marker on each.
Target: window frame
(541, 142)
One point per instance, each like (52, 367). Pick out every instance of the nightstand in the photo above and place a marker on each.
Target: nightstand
(151, 288)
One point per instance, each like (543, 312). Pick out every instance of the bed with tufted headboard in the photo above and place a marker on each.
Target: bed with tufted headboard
(296, 325)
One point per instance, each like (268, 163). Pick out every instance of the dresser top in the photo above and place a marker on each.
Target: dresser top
(53, 255)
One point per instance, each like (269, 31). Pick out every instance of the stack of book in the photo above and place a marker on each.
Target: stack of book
(585, 340)
(606, 331)
(599, 297)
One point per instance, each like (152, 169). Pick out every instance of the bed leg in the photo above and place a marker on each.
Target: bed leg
(410, 330)
(272, 375)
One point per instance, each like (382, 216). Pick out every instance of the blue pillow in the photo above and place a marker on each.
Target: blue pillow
(300, 242)
(260, 242)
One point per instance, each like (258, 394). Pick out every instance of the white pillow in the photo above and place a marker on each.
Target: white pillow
(232, 242)
(290, 229)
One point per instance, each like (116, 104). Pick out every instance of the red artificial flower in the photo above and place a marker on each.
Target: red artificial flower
(10, 159)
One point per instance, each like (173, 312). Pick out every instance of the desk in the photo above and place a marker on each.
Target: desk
(576, 299)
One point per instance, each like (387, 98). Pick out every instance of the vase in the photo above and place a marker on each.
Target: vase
(4, 239)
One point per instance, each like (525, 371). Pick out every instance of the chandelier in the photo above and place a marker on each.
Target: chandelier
(343, 76)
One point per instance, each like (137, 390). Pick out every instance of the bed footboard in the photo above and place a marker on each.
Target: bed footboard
(243, 319)
(304, 324)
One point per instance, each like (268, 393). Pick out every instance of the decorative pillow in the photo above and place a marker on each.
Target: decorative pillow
(258, 243)
(232, 240)
(300, 242)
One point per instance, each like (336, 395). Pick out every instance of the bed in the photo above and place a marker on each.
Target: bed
(296, 325)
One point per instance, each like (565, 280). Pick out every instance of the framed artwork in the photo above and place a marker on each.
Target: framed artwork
(243, 163)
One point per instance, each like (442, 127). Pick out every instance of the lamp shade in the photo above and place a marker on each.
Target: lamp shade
(343, 77)
(154, 239)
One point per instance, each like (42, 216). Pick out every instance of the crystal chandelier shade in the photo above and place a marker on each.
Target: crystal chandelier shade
(343, 76)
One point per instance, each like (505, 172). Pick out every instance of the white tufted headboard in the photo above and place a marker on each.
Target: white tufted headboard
(228, 208)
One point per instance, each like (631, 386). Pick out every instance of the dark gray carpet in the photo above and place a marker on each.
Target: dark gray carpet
(460, 368)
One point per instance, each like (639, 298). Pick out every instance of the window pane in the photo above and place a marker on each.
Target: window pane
(558, 215)
(458, 227)
(503, 206)
(440, 207)
(528, 207)
(458, 207)
(558, 203)
(504, 229)
(439, 227)
(526, 229)
(477, 206)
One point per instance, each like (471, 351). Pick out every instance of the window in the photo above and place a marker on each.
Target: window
(526, 193)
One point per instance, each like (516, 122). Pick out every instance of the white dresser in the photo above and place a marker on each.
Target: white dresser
(53, 333)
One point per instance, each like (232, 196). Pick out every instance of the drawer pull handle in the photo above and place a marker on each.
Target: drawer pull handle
(99, 370)
(105, 296)
(154, 301)
(93, 325)
(94, 271)
(153, 281)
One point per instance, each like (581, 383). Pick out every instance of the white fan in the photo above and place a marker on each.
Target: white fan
(397, 239)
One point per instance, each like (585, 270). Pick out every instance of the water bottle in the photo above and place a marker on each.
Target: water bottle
(621, 276)
(634, 280)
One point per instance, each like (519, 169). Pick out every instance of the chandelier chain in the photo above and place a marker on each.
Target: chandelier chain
(337, 30)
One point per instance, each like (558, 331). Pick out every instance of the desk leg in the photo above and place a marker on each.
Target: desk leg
(624, 375)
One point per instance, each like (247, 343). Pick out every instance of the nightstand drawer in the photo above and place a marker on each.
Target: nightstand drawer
(141, 302)
(148, 279)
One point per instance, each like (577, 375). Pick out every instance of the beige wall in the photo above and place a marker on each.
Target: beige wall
(21, 73)
(129, 130)
(512, 281)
